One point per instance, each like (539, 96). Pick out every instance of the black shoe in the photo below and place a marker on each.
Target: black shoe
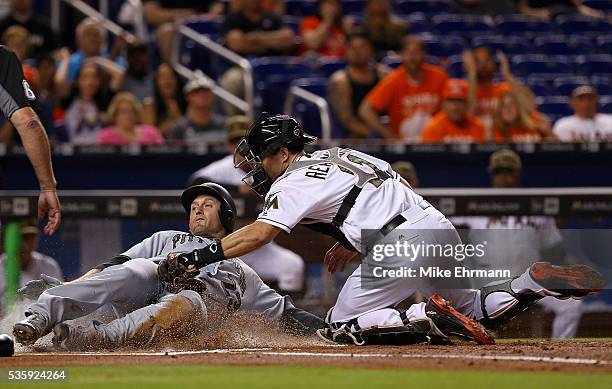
(450, 322)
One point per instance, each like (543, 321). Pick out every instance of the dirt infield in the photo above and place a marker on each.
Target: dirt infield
(565, 356)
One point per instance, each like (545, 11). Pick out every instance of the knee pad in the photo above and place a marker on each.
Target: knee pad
(386, 326)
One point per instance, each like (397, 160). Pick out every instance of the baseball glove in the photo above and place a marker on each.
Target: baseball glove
(176, 275)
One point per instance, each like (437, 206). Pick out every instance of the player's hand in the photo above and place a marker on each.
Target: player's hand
(337, 257)
(34, 288)
(49, 205)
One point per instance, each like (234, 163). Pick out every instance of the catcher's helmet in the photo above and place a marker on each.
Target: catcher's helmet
(265, 137)
(227, 212)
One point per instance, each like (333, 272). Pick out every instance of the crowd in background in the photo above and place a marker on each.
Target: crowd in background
(130, 94)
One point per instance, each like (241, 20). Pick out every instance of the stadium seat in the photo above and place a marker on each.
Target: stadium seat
(293, 22)
(538, 87)
(300, 7)
(444, 46)
(603, 89)
(565, 85)
(600, 64)
(602, 5)
(428, 7)
(521, 25)
(353, 7)
(463, 25)
(272, 77)
(605, 104)
(563, 45)
(454, 66)
(327, 67)
(604, 44)
(392, 61)
(572, 24)
(493, 42)
(417, 23)
(540, 66)
(211, 26)
(306, 112)
(555, 106)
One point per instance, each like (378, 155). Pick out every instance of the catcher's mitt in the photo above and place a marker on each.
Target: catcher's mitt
(176, 276)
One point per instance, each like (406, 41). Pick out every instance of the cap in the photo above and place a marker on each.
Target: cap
(28, 227)
(198, 83)
(236, 127)
(455, 89)
(505, 159)
(584, 90)
(406, 170)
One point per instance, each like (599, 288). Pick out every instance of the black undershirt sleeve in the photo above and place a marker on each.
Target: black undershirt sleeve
(118, 260)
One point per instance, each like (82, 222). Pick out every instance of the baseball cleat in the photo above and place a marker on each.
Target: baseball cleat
(31, 328)
(575, 281)
(450, 322)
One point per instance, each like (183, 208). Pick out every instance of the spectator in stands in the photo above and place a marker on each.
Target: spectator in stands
(31, 263)
(251, 31)
(125, 116)
(514, 122)
(200, 122)
(168, 103)
(42, 38)
(410, 95)
(52, 113)
(586, 124)
(89, 37)
(276, 7)
(163, 14)
(85, 116)
(138, 78)
(407, 171)
(480, 68)
(348, 87)
(485, 7)
(323, 33)
(386, 30)
(454, 123)
(223, 171)
(549, 9)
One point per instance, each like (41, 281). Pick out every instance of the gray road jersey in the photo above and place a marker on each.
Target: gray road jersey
(231, 283)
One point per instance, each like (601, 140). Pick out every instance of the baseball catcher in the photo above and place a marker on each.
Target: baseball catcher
(341, 192)
(182, 303)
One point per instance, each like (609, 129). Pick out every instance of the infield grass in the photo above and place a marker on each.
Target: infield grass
(298, 377)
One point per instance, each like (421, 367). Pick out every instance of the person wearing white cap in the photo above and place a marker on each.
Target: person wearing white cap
(586, 124)
(200, 122)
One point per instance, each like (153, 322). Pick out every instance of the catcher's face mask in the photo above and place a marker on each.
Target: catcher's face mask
(256, 178)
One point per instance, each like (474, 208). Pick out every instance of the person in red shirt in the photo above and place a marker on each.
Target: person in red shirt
(484, 91)
(454, 124)
(410, 95)
(324, 33)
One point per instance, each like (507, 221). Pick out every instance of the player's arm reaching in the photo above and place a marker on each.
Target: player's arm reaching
(16, 99)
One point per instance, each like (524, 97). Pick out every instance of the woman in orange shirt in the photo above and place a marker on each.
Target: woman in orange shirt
(324, 33)
(513, 121)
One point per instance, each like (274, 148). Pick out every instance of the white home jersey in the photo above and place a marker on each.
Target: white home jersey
(314, 194)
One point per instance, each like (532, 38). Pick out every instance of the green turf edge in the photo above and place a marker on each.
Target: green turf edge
(298, 377)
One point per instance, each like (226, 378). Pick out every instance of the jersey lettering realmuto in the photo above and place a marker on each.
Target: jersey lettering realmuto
(314, 194)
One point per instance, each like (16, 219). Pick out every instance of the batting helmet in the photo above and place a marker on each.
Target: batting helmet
(227, 212)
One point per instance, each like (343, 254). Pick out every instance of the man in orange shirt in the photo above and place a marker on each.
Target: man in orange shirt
(410, 95)
(454, 123)
(484, 92)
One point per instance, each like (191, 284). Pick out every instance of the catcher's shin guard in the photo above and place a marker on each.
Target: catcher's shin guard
(383, 327)
(516, 305)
